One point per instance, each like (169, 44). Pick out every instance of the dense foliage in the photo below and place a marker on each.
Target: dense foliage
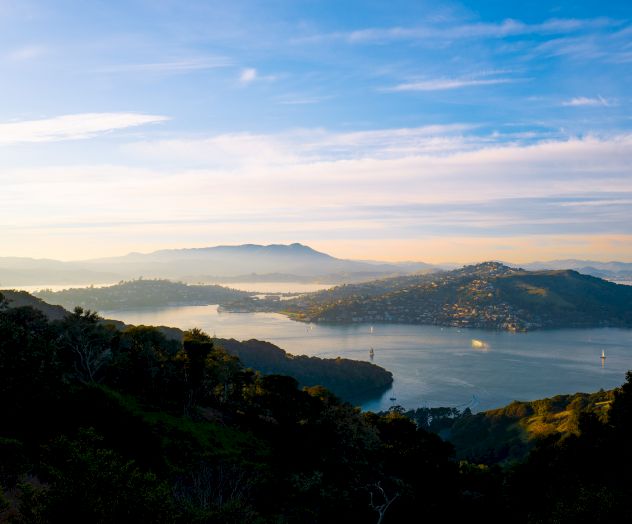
(140, 294)
(352, 380)
(107, 426)
(508, 434)
(102, 425)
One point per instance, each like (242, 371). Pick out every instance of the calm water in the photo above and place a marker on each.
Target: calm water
(432, 366)
(57, 287)
(273, 287)
(257, 287)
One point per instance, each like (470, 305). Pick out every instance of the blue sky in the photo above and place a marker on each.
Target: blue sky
(438, 131)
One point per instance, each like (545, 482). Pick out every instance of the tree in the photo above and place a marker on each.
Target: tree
(381, 502)
(196, 347)
(88, 482)
(620, 415)
(86, 343)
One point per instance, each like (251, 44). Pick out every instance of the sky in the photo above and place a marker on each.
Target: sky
(402, 130)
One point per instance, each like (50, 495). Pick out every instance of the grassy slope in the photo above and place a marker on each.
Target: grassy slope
(508, 433)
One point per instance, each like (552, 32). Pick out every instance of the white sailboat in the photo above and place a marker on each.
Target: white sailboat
(603, 354)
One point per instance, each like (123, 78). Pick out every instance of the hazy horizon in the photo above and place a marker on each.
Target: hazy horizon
(425, 131)
(335, 255)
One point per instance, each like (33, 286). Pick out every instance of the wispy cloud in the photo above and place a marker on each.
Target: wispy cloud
(248, 75)
(298, 99)
(504, 29)
(291, 184)
(23, 54)
(442, 84)
(175, 66)
(300, 146)
(605, 46)
(585, 47)
(72, 127)
(582, 101)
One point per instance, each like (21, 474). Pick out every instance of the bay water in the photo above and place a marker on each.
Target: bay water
(432, 366)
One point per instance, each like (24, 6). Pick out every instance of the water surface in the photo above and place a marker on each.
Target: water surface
(432, 366)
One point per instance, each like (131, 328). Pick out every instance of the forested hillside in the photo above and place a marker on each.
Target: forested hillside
(352, 380)
(508, 434)
(106, 425)
(488, 295)
(141, 293)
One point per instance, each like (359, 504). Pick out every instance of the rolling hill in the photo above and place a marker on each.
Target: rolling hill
(274, 262)
(488, 295)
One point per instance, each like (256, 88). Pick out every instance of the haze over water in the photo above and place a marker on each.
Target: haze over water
(432, 366)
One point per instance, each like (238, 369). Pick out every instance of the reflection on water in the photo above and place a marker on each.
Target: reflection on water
(272, 287)
(432, 366)
(58, 287)
(256, 287)
(479, 345)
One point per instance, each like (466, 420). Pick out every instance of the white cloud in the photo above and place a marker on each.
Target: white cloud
(442, 84)
(227, 151)
(393, 194)
(397, 181)
(71, 127)
(585, 101)
(248, 75)
(433, 163)
(175, 66)
(26, 53)
(300, 146)
(506, 28)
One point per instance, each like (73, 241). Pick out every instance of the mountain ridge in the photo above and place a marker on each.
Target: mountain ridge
(489, 295)
(264, 262)
(195, 263)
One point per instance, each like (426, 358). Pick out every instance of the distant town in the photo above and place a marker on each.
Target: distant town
(489, 296)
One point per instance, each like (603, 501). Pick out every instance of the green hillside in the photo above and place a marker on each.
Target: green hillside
(488, 295)
(141, 293)
(508, 434)
(111, 426)
(352, 380)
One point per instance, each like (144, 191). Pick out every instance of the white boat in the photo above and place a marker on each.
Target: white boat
(371, 330)
(603, 354)
(479, 344)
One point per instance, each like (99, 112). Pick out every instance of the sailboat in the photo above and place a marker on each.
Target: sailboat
(371, 353)
(371, 330)
(603, 354)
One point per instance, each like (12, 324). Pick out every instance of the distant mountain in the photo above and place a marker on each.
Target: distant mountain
(619, 271)
(488, 295)
(221, 261)
(248, 262)
(20, 271)
(408, 266)
(276, 260)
